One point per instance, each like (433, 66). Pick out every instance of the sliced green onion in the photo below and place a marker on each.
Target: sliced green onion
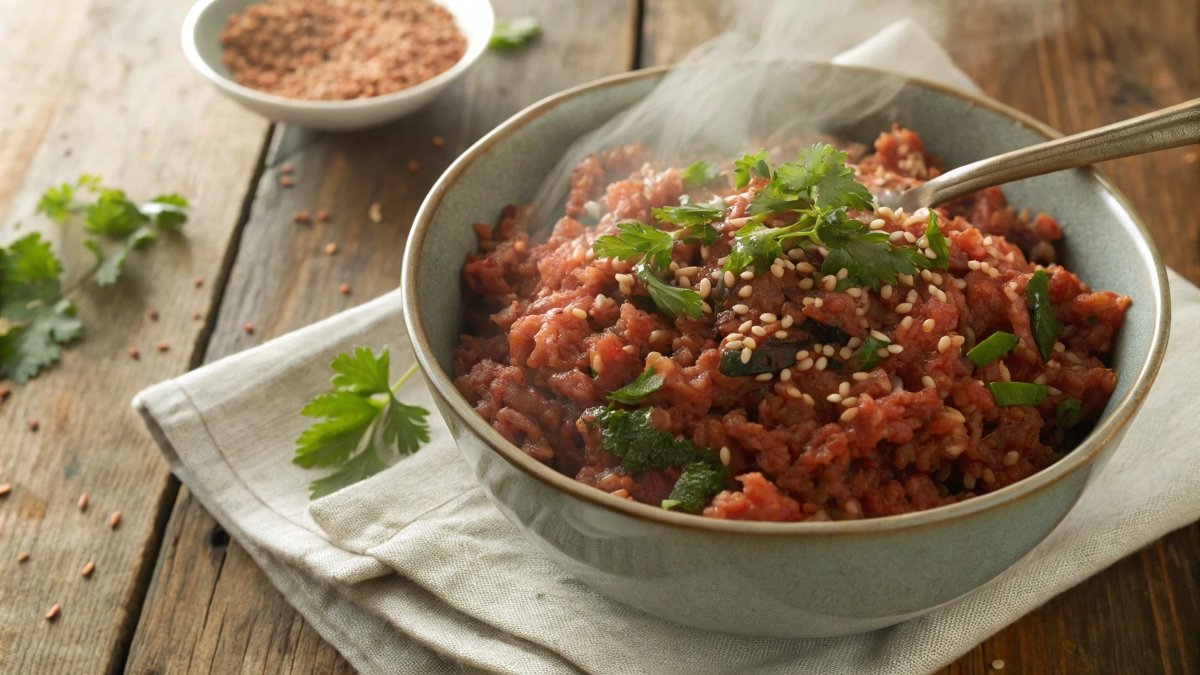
(1045, 326)
(1017, 393)
(996, 345)
(1068, 414)
(669, 504)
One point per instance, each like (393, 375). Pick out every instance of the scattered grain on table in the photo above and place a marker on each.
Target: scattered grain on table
(322, 216)
(413, 166)
(5, 489)
(331, 248)
(54, 611)
(88, 569)
(287, 167)
(344, 289)
(34, 425)
(5, 392)
(114, 519)
(162, 346)
(83, 502)
(300, 216)
(22, 556)
(375, 213)
(248, 327)
(998, 664)
(152, 314)
(134, 353)
(286, 180)
(438, 141)
(198, 282)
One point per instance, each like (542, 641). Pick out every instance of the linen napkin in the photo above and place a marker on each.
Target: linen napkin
(414, 571)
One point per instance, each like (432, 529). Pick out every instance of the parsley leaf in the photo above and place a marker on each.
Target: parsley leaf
(513, 34)
(688, 214)
(29, 278)
(821, 175)
(748, 166)
(868, 256)
(696, 486)
(1042, 322)
(56, 202)
(636, 239)
(646, 383)
(112, 215)
(109, 265)
(670, 300)
(28, 348)
(698, 174)
(937, 243)
(637, 443)
(360, 404)
(867, 355)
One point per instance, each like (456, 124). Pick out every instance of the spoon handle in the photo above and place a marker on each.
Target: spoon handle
(1162, 129)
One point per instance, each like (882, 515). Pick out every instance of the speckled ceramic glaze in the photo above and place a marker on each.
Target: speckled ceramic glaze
(778, 579)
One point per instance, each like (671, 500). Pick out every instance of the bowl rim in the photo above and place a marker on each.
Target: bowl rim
(475, 49)
(1079, 458)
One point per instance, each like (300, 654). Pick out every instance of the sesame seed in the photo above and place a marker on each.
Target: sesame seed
(704, 287)
(785, 375)
(809, 401)
(763, 377)
(844, 389)
(804, 364)
(777, 271)
(821, 363)
(860, 376)
(88, 569)
(729, 279)
(834, 398)
(849, 415)
(579, 313)
(802, 354)
(745, 327)
(850, 401)
(793, 392)
(787, 321)
(747, 275)
(928, 382)
(972, 264)
(781, 334)
(895, 349)
(740, 309)
(818, 302)
(906, 322)
(750, 343)
(725, 455)
(878, 224)
(759, 331)
(943, 344)
(904, 308)
(1011, 457)
(880, 336)
(806, 284)
(767, 317)
(745, 291)
(928, 325)
(734, 345)
(746, 354)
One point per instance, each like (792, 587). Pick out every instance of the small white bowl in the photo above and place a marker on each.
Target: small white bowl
(202, 46)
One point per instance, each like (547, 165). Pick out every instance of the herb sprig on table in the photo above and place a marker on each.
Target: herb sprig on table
(513, 34)
(360, 404)
(36, 314)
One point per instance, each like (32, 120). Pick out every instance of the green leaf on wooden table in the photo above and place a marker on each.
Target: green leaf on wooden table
(512, 34)
(30, 278)
(360, 404)
(110, 265)
(28, 348)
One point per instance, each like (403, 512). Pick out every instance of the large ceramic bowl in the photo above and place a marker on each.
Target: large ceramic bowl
(778, 579)
(202, 47)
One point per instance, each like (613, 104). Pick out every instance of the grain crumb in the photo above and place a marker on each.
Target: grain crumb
(248, 327)
(198, 282)
(197, 315)
(287, 167)
(998, 664)
(22, 556)
(134, 353)
(114, 519)
(152, 314)
(88, 569)
(375, 213)
(54, 612)
(286, 181)
(438, 141)
(5, 489)
(83, 502)
(34, 425)
(162, 346)
(300, 216)
(344, 289)
(331, 248)
(322, 215)
(5, 392)
(413, 165)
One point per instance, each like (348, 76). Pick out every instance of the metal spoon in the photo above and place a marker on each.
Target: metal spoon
(1159, 130)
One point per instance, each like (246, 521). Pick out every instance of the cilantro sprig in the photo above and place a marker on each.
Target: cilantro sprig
(36, 314)
(513, 34)
(646, 383)
(360, 404)
(698, 174)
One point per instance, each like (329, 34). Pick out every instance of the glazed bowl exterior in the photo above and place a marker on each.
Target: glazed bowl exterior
(790, 580)
(202, 47)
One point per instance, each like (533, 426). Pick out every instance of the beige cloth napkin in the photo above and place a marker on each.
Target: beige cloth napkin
(413, 570)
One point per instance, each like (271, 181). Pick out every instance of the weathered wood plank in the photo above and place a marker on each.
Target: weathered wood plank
(225, 616)
(1094, 65)
(101, 87)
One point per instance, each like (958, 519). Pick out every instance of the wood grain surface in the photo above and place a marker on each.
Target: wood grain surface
(110, 95)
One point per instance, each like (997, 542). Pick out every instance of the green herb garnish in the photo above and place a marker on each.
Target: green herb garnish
(36, 316)
(867, 355)
(698, 174)
(653, 244)
(695, 487)
(748, 166)
(359, 404)
(1017, 393)
(637, 443)
(1068, 414)
(514, 34)
(642, 386)
(1044, 325)
(937, 243)
(996, 345)
(670, 300)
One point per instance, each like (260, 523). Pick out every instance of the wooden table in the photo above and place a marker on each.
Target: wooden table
(100, 86)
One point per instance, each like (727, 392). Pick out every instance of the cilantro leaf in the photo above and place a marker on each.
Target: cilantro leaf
(637, 443)
(646, 383)
(513, 34)
(688, 214)
(868, 256)
(113, 215)
(749, 166)
(696, 486)
(670, 300)
(360, 404)
(937, 243)
(820, 173)
(29, 278)
(698, 174)
(110, 265)
(56, 202)
(636, 239)
(26, 349)
(867, 355)
(1042, 322)
(167, 211)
